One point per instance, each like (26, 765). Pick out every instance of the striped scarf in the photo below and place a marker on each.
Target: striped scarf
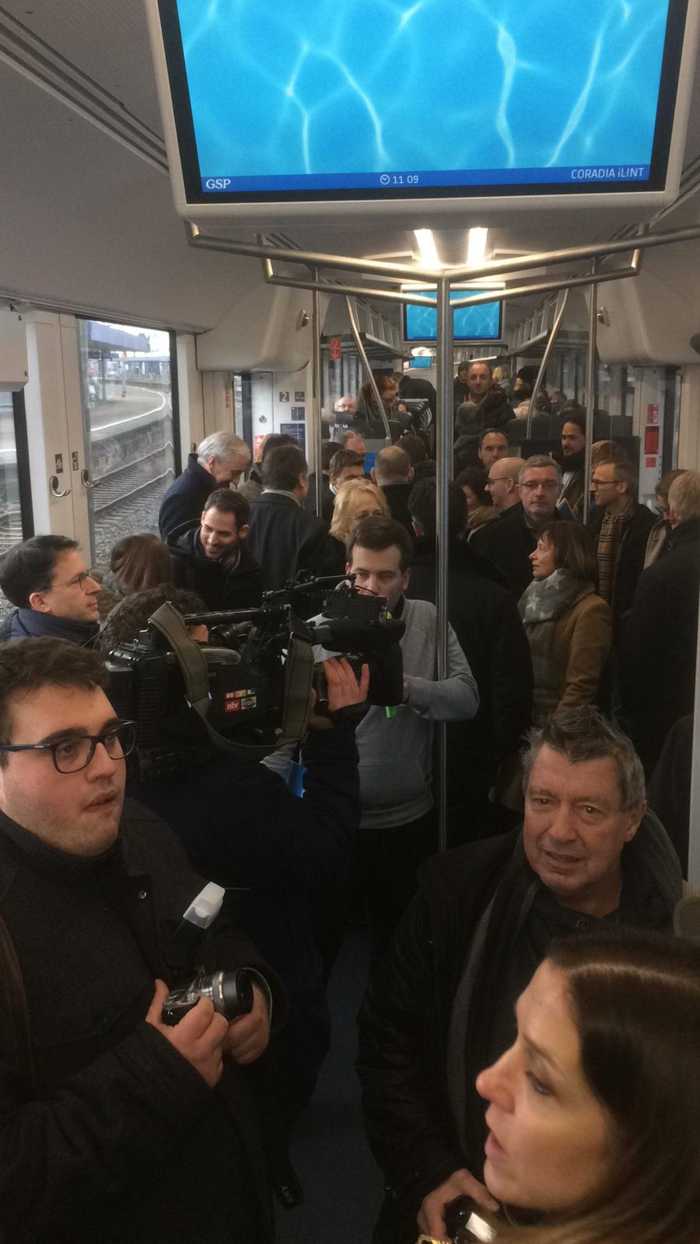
(607, 552)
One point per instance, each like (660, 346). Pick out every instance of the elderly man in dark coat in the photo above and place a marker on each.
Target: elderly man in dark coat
(220, 460)
(510, 540)
(441, 1006)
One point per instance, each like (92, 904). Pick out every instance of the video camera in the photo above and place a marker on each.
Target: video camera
(250, 685)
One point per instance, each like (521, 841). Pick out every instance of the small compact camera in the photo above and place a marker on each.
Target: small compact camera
(466, 1223)
(230, 993)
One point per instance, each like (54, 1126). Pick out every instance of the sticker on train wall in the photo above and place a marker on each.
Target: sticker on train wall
(240, 701)
(652, 414)
(299, 395)
(284, 395)
(651, 462)
(651, 440)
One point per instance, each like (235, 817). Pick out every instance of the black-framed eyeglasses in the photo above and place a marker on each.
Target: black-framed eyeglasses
(75, 751)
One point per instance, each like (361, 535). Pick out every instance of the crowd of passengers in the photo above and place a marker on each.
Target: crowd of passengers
(530, 1034)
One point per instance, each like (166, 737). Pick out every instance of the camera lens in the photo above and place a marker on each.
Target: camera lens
(234, 993)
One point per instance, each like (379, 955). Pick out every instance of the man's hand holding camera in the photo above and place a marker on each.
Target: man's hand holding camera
(205, 1038)
(199, 1036)
(248, 1036)
(343, 690)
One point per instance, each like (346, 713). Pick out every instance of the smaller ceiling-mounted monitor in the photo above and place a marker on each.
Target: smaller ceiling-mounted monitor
(473, 325)
(297, 109)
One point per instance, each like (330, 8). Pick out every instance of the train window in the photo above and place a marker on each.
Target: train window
(15, 501)
(130, 420)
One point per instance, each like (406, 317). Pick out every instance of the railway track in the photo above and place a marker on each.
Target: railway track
(109, 490)
(10, 529)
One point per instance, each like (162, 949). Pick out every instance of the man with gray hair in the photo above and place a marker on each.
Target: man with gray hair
(659, 637)
(441, 1006)
(218, 461)
(509, 542)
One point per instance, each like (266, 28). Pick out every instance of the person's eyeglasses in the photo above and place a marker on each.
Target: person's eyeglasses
(600, 483)
(79, 580)
(75, 751)
(549, 484)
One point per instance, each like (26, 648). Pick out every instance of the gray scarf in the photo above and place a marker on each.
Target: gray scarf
(541, 605)
(547, 599)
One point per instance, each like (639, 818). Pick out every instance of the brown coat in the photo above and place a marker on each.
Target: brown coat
(573, 650)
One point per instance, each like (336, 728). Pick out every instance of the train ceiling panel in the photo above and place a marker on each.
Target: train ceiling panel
(107, 41)
(90, 224)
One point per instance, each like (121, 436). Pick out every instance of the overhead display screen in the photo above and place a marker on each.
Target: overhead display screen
(387, 99)
(480, 323)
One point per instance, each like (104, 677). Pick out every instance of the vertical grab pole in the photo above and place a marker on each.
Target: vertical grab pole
(355, 327)
(694, 826)
(590, 391)
(316, 423)
(443, 455)
(562, 300)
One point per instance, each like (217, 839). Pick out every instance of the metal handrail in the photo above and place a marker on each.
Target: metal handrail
(563, 300)
(355, 328)
(495, 267)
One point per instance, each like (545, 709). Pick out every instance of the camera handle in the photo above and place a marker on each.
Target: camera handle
(195, 674)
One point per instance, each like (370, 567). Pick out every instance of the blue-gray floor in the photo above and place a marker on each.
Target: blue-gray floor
(342, 1184)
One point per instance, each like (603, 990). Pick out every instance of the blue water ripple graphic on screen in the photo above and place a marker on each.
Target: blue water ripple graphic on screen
(326, 88)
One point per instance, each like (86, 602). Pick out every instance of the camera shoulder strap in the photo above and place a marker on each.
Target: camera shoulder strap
(195, 674)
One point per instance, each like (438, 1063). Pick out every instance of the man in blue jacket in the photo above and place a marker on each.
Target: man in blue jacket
(46, 578)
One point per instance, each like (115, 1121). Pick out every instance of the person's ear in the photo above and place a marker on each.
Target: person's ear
(405, 579)
(635, 817)
(243, 531)
(373, 476)
(37, 601)
(411, 475)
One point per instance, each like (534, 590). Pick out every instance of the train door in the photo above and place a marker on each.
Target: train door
(16, 519)
(123, 429)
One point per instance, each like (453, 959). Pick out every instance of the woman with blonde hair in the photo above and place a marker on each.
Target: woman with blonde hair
(355, 499)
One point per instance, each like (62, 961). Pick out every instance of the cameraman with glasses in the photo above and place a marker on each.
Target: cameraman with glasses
(115, 1126)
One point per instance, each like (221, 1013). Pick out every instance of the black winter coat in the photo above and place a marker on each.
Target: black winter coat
(119, 1140)
(508, 543)
(242, 826)
(630, 559)
(406, 1017)
(182, 505)
(487, 624)
(659, 644)
(493, 411)
(283, 538)
(397, 499)
(233, 582)
(290, 861)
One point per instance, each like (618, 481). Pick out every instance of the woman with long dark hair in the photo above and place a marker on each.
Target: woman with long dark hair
(594, 1111)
